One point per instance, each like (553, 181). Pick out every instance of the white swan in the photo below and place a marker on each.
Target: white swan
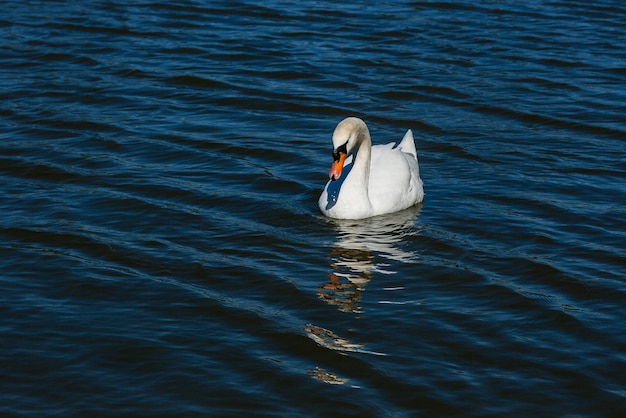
(367, 181)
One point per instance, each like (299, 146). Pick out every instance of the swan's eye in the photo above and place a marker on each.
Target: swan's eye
(341, 150)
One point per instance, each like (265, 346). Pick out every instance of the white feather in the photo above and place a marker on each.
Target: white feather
(376, 180)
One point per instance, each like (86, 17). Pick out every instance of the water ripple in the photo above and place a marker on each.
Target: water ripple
(162, 249)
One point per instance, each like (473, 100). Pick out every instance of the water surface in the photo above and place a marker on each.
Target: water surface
(162, 249)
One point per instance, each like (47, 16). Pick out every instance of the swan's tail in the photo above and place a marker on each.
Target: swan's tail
(408, 144)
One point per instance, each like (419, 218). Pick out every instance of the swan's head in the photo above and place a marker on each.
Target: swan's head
(346, 140)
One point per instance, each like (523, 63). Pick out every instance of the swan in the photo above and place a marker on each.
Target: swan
(366, 181)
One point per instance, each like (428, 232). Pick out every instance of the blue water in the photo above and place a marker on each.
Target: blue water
(162, 252)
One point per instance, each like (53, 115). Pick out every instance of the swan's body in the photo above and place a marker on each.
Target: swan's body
(367, 181)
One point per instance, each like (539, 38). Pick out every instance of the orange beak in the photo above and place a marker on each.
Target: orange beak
(337, 166)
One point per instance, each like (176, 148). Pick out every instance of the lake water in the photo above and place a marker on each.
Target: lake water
(162, 252)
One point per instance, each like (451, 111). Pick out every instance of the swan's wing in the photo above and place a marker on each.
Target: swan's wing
(390, 174)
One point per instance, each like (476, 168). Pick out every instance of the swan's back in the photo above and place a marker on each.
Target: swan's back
(395, 182)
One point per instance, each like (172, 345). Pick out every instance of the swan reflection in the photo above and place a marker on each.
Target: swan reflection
(363, 248)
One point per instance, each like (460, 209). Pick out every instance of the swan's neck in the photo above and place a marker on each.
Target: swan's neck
(360, 173)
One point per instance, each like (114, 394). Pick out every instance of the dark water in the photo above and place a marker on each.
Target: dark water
(163, 254)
